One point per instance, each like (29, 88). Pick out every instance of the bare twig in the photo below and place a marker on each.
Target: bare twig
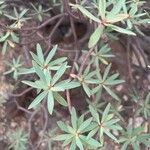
(21, 94)
(85, 60)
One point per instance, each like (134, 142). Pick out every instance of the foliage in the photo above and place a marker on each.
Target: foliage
(15, 66)
(53, 75)
(18, 139)
(134, 137)
(49, 85)
(76, 134)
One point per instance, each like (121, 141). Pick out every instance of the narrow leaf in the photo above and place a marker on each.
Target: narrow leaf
(96, 35)
(38, 99)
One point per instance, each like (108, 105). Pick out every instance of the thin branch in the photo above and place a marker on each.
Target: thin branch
(85, 60)
(21, 94)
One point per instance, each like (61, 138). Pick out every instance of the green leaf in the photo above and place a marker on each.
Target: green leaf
(80, 120)
(3, 38)
(125, 145)
(105, 113)
(117, 7)
(111, 135)
(68, 85)
(121, 30)
(23, 13)
(4, 47)
(73, 145)
(60, 99)
(90, 141)
(87, 13)
(113, 82)
(94, 114)
(51, 54)
(48, 77)
(50, 102)
(40, 53)
(36, 59)
(67, 141)
(14, 37)
(102, 8)
(62, 126)
(96, 35)
(38, 99)
(62, 137)
(32, 84)
(74, 118)
(116, 18)
(84, 125)
(86, 89)
(92, 133)
(111, 93)
(106, 72)
(79, 144)
(38, 71)
(58, 61)
(59, 73)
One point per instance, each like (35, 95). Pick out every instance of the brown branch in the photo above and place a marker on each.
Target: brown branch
(22, 93)
(85, 60)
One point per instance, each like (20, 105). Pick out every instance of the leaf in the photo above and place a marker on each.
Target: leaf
(62, 137)
(32, 84)
(74, 118)
(121, 30)
(51, 54)
(57, 61)
(79, 144)
(96, 35)
(50, 102)
(68, 85)
(14, 37)
(113, 82)
(117, 7)
(73, 145)
(112, 77)
(16, 13)
(38, 99)
(4, 47)
(36, 59)
(62, 126)
(102, 8)
(111, 135)
(106, 72)
(86, 89)
(84, 125)
(23, 13)
(40, 53)
(60, 99)
(3, 38)
(80, 120)
(94, 114)
(111, 122)
(38, 71)
(111, 93)
(48, 77)
(90, 141)
(67, 141)
(59, 73)
(125, 145)
(105, 113)
(87, 13)
(119, 17)
(92, 133)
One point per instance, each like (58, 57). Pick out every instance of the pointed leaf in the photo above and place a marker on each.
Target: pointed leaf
(38, 99)
(50, 102)
(96, 35)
